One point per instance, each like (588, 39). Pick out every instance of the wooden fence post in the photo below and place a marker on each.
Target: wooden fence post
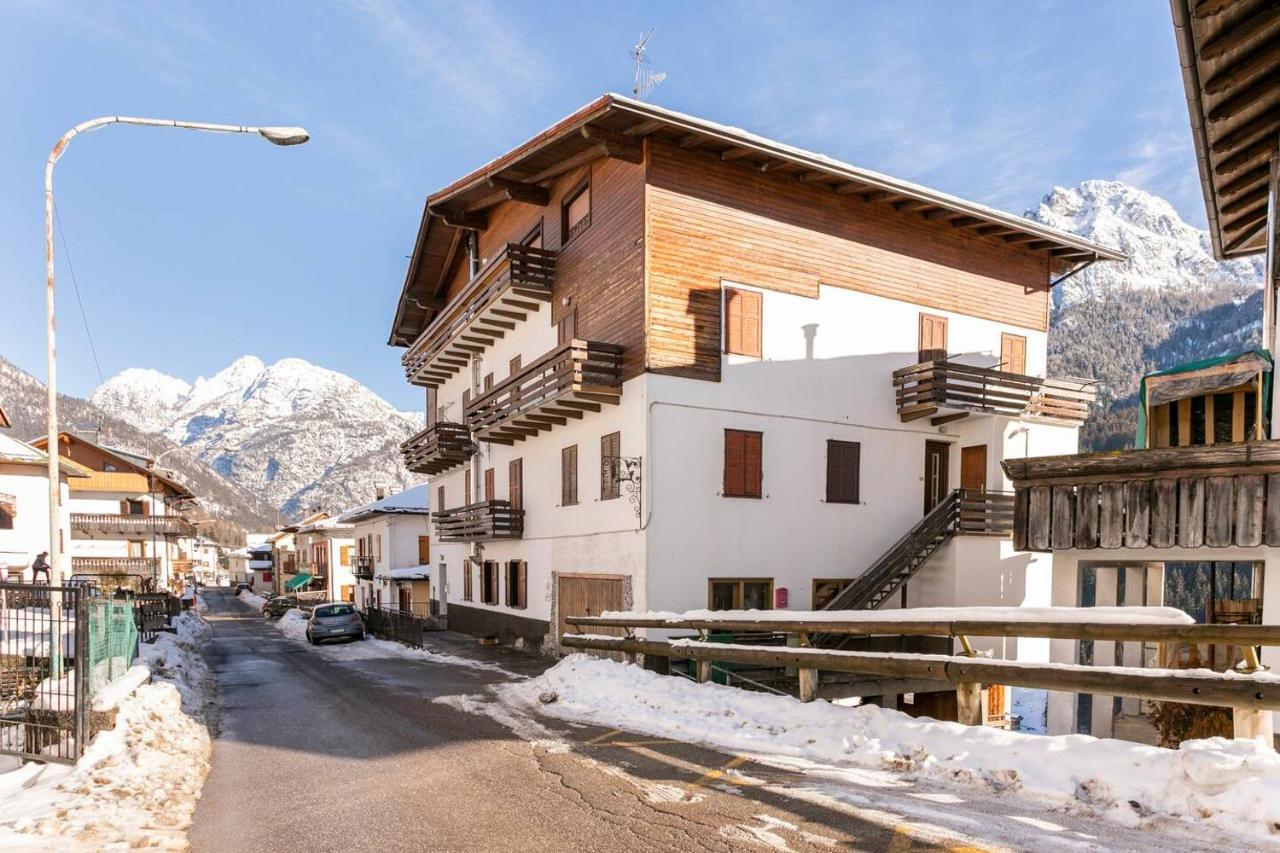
(807, 678)
(1250, 723)
(969, 703)
(704, 671)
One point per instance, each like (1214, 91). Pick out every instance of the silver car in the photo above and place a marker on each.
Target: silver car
(334, 622)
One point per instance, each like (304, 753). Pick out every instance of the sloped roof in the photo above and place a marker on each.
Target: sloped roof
(18, 452)
(412, 501)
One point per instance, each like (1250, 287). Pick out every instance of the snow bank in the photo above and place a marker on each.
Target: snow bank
(1016, 615)
(136, 785)
(1233, 784)
(252, 599)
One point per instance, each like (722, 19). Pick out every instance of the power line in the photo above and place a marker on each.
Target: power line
(66, 251)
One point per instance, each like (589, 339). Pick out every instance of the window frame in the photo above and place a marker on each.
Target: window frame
(745, 491)
(516, 580)
(831, 496)
(489, 581)
(583, 186)
(739, 590)
(569, 493)
(610, 482)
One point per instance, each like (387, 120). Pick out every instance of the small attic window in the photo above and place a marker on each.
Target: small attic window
(575, 212)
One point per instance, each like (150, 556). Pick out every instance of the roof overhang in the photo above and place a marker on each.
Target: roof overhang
(1230, 56)
(616, 126)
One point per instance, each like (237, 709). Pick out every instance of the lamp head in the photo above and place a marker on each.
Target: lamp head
(284, 135)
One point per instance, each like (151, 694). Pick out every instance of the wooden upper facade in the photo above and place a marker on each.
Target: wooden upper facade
(111, 472)
(677, 207)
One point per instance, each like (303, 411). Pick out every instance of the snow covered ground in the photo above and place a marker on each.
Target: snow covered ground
(1232, 785)
(252, 599)
(137, 784)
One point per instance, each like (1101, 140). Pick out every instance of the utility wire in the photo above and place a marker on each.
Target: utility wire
(66, 251)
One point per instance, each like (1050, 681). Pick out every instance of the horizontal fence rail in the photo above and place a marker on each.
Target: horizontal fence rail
(922, 389)
(438, 448)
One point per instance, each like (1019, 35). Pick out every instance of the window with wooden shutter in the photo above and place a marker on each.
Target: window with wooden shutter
(742, 463)
(933, 338)
(575, 212)
(515, 483)
(488, 381)
(514, 366)
(610, 451)
(424, 550)
(430, 407)
(488, 484)
(569, 475)
(467, 581)
(466, 487)
(567, 329)
(534, 238)
(489, 582)
(439, 499)
(843, 471)
(743, 322)
(344, 555)
(517, 584)
(1013, 353)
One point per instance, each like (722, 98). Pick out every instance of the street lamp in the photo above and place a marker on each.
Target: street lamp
(283, 136)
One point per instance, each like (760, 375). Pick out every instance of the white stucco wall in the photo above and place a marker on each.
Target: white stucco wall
(30, 534)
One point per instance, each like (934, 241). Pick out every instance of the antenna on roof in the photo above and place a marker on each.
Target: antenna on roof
(645, 80)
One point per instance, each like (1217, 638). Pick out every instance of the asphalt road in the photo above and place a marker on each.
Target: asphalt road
(343, 749)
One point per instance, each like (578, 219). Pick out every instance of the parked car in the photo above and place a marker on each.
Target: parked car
(277, 606)
(243, 587)
(334, 621)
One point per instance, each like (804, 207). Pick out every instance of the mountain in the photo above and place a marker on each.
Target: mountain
(1170, 302)
(23, 397)
(301, 436)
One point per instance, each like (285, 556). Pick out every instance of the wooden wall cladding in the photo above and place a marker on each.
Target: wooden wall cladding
(1236, 509)
(709, 221)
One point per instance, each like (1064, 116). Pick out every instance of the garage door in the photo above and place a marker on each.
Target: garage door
(587, 595)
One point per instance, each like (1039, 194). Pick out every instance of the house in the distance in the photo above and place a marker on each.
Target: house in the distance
(325, 549)
(127, 521)
(393, 552)
(671, 364)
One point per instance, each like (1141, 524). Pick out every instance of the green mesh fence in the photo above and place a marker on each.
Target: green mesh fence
(113, 639)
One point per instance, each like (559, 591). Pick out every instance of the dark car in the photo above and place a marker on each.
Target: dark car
(338, 621)
(243, 587)
(277, 606)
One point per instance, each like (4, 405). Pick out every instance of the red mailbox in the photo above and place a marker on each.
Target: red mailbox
(780, 598)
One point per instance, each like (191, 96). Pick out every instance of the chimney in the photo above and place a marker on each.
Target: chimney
(379, 491)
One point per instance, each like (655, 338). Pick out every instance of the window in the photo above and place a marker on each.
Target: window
(1013, 353)
(515, 483)
(742, 463)
(534, 238)
(933, 338)
(517, 584)
(473, 254)
(377, 547)
(466, 487)
(132, 507)
(467, 582)
(424, 550)
(515, 366)
(825, 590)
(610, 450)
(8, 511)
(344, 555)
(439, 499)
(743, 315)
(137, 548)
(567, 328)
(489, 582)
(488, 484)
(843, 464)
(740, 593)
(569, 475)
(575, 212)
(488, 381)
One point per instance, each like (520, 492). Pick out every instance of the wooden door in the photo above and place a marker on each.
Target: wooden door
(973, 467)
(405, 600)
(937, 455)
(1013, 353)
(933, 338)
(586, 595)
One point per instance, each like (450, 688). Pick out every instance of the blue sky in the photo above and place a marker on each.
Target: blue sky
(192, 249)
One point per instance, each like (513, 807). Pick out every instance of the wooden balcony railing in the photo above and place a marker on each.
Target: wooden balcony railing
(363, 566)
(147, 566)
(480, 522)
(983, 513)
(107, 524)
(1187, 497)
(503, 292)
(575, 378)
(948, 389)
(438, 448)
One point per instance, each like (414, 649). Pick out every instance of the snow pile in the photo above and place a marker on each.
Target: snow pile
(137, 784)
(252, 599)
(1234, 784)
(1015, 615)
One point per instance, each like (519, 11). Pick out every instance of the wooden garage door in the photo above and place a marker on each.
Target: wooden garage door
(587, 595)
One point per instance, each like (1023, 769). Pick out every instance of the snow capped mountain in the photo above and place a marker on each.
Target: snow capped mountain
(300, 435)
(1170, 302)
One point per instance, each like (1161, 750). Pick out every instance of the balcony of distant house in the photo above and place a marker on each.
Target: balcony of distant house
(480, 522)
(501, 295)
(438, 448)
(117, 525)
(575, 378)
(148, 567)
(947, 390)
(362, 565)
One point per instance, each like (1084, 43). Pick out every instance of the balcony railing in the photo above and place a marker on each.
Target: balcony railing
(983, 513)
(480, 522)
(108, 524)
(438, 448)
(147, 566)
(506, 290)
(363, 567)
(1187, 497)
(574, 378)
(948, 389)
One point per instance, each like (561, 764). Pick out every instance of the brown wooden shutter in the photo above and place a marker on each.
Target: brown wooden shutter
(567, 330)
(439, 499)
(610, 450)
(430, 408)
(933, 338)
(466, 487)
(743, 473)
(843, 464)
(522, 583)
(488, 381)
(743, 322)
(515, 365)
(753, 463)
(569, 475)
(733, 463)
(488, 484)
(1013, 353)
(466, 399)
(515, 483)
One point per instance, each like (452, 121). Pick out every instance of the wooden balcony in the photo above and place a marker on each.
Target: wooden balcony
(983, 513)
(480, 522)
(948, 390)
(566, 382)
(438, 448)
(503, 293)
(129, 526)
(146, 566)
(1188, 497)
(362, 565)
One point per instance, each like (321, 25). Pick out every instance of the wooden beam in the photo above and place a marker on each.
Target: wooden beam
(693, 140)
(850, 188)
(1245, 200)
(522, 192)
(875, 195)
(644, 128)
(616, 145)
(1021, 238)
(735, 153)
(1244, 181)
(1246, 69)
(814, 177)
(1243, 99)
(449, 258)
(911, 205)
(1209, 8)
(779, 166)
(944, 214)
(462, 219)
(1265, 124)
(965, 222)
(1240, 32)
(991, 228)
(568, 165)
(946, 419)
(1244, 237)
(1248, 217)
(1259, 150)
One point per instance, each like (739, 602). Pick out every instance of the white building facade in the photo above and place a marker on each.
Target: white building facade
(393, 552)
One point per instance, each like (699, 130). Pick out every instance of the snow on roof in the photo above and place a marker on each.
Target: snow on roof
(409, 573)
(260, 564)
(13, 450)
(412, 501)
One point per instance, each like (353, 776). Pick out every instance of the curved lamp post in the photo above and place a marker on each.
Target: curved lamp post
(274, 135)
